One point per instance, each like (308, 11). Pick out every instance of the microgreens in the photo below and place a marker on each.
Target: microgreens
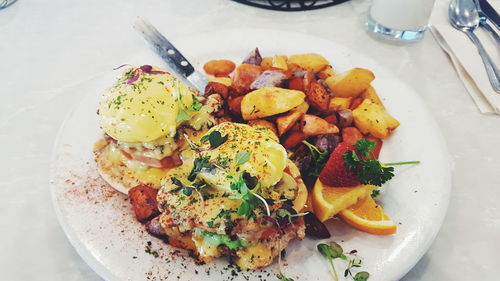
(196, 105)
(283, 277)
(243, 188)
(333, 250)
(200, 164)
(289, 214)
(319, 158)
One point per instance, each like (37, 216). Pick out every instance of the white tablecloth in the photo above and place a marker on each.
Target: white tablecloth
(48, 47)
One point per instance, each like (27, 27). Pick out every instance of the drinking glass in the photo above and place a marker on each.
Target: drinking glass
(400, 20)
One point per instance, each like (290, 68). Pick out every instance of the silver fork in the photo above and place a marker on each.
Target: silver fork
(6, 3)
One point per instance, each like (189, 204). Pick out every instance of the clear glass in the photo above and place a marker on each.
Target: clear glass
(400, 20)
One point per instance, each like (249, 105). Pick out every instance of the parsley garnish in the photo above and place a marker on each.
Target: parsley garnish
(215, 138)
(366, 167)
(242, 156)
(182, 116)
(289, 214)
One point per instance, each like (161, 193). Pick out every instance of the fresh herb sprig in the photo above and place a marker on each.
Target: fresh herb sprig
(366, 166)
(242, 157)
(243, 188)
(332, 251)
(282, 277)
(215, 139)
(319, 157)
(199, 164)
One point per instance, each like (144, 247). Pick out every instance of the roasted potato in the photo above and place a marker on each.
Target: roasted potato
(234, 105)
(222, 80)
(350, 83)
(326, 72)
(339, 104)
(219, 67)
(244, 76)
(344, 118)
(371, 118)
(263, 123)
(293, 139)
(318, 97)
(266, 62)
(371, 94)
(296, 83)
(253, 58)
(279, 62)
(216, 88)
(268, 78)
(303, 107)
(144, 204)
(312, 125)
(285, 122)
(311, 62)
(269, 101)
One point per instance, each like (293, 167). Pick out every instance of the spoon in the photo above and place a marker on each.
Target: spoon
(464, 17)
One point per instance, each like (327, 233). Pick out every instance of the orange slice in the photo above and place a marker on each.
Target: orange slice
(328, 201)
(366, 215)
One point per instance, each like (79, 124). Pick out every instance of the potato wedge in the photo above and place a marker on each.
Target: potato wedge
(263, 123)
(318, 97)
(350, 83)
(222, 80)
(339, 104)
(234, 105)
(312, 125)
(279, 62)
(293, 139)
(371, 94)
(311, 62)
(219, 67)
(326, 72)
(285, 122)
(371, 118)
(266, 62)
(269, 101)
(303, 107)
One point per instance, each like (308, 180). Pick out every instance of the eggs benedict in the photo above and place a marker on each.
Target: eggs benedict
(145, 116)
(240, 196)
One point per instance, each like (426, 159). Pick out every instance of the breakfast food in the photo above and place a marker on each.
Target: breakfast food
(239, 197)
(145, 116)
(275, 147)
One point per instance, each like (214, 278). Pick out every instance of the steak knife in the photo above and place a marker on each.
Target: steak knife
(166, 50)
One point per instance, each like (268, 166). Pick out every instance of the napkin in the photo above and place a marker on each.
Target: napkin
(465, 58)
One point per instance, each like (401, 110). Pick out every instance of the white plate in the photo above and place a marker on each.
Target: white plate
(99, 222)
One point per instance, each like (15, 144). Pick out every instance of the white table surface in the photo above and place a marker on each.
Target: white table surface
(49, 47)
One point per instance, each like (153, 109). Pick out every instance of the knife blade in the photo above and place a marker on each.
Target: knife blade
(166, 50)
(489, 12)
